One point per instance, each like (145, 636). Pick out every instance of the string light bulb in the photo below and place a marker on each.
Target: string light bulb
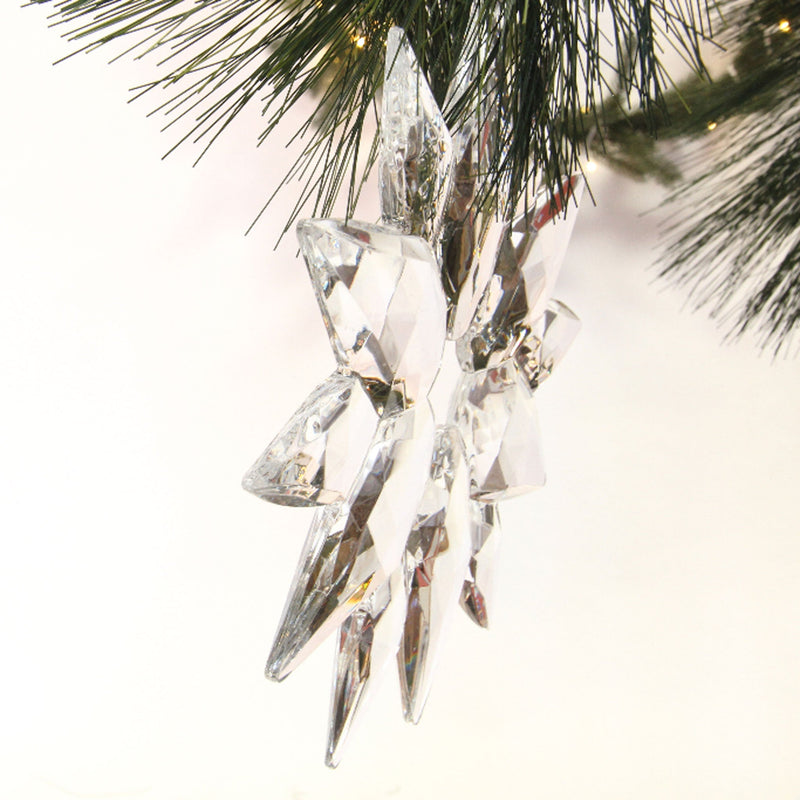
(711, 125)
(359, 41)
(785, 26)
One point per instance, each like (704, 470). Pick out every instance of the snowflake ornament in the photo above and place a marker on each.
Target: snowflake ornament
(407, 523)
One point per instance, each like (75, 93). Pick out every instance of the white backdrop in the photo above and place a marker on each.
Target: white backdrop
(645, 642)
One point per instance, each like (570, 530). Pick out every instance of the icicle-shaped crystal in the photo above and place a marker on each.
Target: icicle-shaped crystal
(436, 556)
(477, 589)
(526, 265)
(366, 644)
(542, 236)
(471, 235)
(354, 546)
(416, 155)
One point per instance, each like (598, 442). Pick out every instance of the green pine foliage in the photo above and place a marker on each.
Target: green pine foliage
(734, 240)
(739, 256)
(552, 60)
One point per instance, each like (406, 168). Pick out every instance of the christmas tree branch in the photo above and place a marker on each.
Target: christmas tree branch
(738, 251)
(551, 60)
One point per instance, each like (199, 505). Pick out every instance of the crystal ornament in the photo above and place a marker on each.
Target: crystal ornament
(477, 589)
(436, 557)
(416, 149)
(494, 411)
(352, 547)
(381, 299)
(365, 646)
(407, 525)
(316, 456)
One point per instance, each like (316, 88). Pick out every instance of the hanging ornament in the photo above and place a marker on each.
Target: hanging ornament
(407, 523)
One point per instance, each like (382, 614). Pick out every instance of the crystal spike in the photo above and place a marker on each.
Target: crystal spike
(525, 267)
(366, 644)
(416, 153)
(436, 557)
(477, 589)
(352, 547)
(470, 236)
(542, 235)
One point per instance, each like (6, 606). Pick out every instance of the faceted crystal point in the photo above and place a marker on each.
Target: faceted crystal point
(477, 589)
(505, 303)
(366, 644)
(353, 546)
(381, 300)
(321, 573)
(436, 556)
(541, 236)
(416, 155)
(545, 346)
(316, 456)
(470, 259)
(494, 411)
(467, 231)
(526, 265)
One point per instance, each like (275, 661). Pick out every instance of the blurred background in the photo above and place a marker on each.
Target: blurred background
(646, 636)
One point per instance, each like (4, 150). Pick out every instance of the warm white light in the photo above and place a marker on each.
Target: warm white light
(711, 125)
(785, 26)
(591, 166)
(359, 41)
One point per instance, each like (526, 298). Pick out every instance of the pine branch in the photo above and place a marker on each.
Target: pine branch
(740, 256)
(550, 56)
(737, 250)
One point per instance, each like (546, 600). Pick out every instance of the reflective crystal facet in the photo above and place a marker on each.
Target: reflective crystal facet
(477, 589)
(469, 233)
(416, 156)
(353, 546)
(366, 644)
(526, 265)
(506, 300)
(472, 255)
(436, 556)
(317, 454)
(542, 236)
(381, 299)
(545, 346)
(494, 411)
